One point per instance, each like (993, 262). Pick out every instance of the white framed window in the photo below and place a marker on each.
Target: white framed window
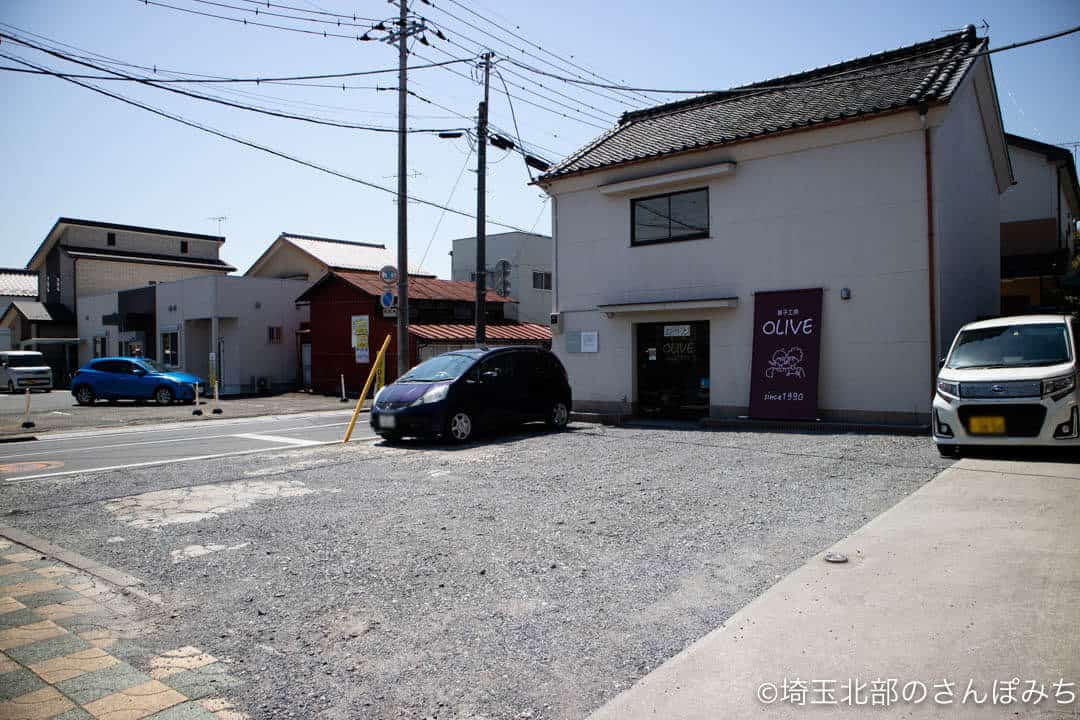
(170, 349)
(541, 280)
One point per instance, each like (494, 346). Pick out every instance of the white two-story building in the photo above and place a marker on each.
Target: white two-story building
(872, 185)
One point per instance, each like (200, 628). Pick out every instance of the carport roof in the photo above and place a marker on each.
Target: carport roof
(495, 332)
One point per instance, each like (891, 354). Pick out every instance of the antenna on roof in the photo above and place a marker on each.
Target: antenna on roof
(220, 219)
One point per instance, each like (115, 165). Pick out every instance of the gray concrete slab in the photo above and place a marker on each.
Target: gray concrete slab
(975, 577)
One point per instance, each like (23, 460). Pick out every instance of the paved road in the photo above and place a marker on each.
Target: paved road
(76, 453)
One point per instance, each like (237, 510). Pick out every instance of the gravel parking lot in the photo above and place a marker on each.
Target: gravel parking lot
(534, 576)
(57, 410)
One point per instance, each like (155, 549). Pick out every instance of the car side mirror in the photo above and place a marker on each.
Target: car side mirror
(941, 361)
(489, 375)
(138, 371)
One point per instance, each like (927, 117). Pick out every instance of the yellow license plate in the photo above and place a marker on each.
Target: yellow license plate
(987, 425)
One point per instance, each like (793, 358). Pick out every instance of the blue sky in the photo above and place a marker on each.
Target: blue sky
(69, 152)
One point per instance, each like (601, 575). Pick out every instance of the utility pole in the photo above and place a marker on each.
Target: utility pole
(481, 206)
(403, 202)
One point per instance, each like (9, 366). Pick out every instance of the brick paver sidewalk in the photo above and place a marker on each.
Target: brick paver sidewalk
(68, 652)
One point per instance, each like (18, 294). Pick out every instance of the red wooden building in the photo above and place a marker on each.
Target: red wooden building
(441, 316)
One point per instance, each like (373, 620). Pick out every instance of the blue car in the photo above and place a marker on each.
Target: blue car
(454, 394)
(132, 378)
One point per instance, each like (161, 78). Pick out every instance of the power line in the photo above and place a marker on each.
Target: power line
(314, 12)
(256, 146)
(766, 87)
(542, 49)
(211, 98)
(245, 21)
(269, 13)
(449, 199)
(613, 98)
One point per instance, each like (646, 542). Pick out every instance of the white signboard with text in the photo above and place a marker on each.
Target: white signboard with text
(360, 327)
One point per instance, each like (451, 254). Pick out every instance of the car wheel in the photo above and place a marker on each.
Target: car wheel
(163, 396)
(558, 417)
(84, 395)
(459, 428)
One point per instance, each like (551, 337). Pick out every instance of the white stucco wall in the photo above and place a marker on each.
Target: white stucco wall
(94, 277)
(527, 252)
(840, 207)
(92, 308)
(966, 202)
(242, 327)
(1034, 195)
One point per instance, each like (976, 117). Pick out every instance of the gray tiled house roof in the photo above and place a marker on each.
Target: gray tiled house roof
(927, 72)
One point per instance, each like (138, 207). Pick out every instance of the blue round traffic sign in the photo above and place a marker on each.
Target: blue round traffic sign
(387, 299)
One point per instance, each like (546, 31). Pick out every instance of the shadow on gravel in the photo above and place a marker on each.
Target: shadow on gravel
(487, 439)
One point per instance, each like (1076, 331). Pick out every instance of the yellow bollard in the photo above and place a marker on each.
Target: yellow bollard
(367, 386)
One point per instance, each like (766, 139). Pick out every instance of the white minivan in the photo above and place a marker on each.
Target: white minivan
(21, 369)
(1009, 381)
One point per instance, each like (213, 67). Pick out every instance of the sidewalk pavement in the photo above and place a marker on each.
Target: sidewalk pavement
(69, 651)
(974, 577)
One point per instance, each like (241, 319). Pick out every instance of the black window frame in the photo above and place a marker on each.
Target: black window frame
(634, 242)
(110, 239)
(545, 280)
(183, 247)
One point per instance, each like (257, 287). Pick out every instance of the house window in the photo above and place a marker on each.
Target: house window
(183, 247)
(274, 334)
(100, 347)
(488, 282)
(667, 218)
(110, 239)
(170, 349)
(541, 280)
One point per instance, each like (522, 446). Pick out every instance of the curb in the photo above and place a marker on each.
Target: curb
(128, 584)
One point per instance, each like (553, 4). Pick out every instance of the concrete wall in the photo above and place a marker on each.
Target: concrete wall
(93, 237)
(840, 207)
(966, 211)
(527, 252)
(92, 309)
(246, 307)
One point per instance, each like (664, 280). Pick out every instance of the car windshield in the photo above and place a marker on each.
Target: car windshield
(150, 365)
(441, 367)
(31, 360)
(1011, 346)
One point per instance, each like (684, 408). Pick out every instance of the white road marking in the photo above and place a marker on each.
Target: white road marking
(167, 461)
(194, 438)
(279, 439)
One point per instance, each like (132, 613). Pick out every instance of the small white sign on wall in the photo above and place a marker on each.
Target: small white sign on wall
(590, 341)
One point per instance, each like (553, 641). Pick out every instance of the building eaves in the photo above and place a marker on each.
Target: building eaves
(145, 258)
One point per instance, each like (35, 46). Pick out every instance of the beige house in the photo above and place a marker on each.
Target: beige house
(81, 258)
(1038, 221)
(306, 257)
(874, 182)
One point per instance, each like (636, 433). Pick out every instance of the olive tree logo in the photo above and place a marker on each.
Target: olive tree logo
(787, 362)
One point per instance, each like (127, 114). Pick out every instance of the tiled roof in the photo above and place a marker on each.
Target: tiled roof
(927, 72)
(420, 288)
(18, 283)
(494, 332)
(342, 254)
(35, 311)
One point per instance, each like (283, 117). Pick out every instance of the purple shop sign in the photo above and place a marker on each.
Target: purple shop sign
(786, 357)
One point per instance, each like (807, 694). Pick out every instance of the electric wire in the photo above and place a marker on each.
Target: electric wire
(449, 199)
(256, 146)
(832, 79)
